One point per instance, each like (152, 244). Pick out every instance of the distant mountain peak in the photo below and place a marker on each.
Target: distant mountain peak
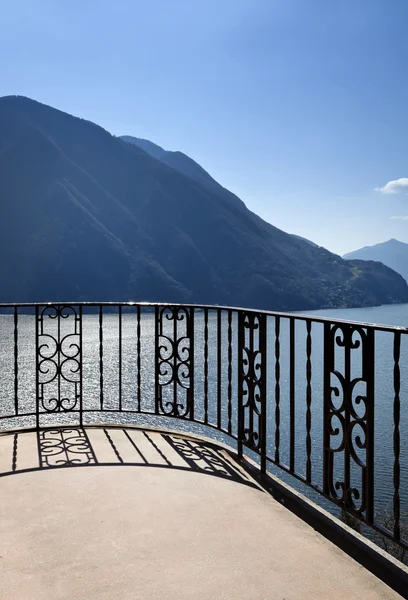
(396, 242)
(392, 242)
(392, 253)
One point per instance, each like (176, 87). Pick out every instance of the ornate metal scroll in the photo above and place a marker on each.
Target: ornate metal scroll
(349, 417)
(175, 361)
(59, 359)
(252, 383)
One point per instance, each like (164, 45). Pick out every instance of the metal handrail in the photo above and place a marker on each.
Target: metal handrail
(301, 316)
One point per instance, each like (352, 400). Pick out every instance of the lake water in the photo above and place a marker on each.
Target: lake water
(132, 394)
(389, 314)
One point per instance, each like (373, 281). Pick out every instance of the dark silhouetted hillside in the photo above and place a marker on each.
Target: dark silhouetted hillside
(88, 216)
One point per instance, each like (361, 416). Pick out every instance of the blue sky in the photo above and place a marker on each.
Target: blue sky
(299, 107)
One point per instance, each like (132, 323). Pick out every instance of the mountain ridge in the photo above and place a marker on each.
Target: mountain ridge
(392, 253)
(87, 215)
(184, 164)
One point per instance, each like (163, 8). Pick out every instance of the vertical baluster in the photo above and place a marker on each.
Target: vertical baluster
(15, 361)
(120, 358)
(156, 360)
(251, 365)
(348, 334)
(175, 315)
(37, 374)
(191, 390)
(397, 408)
(308, 401)
(101, 357)
(81, 358)
(59, 313)
(277, 389)
(292, 359)
(262, 347)
(229, 371)
(138, 361)
(206, 365)
(369, 375)
(241, 391)
(328, 367)
(219, 381)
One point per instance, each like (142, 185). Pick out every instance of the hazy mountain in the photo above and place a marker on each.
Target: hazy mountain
(88, 216)
(393, 253)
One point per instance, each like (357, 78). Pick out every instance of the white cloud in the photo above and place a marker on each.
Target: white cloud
(396, 186)
(400, 218)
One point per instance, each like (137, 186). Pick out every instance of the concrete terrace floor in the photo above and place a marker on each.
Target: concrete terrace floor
(178, 520)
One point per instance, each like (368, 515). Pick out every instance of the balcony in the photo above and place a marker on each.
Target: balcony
(253, 452)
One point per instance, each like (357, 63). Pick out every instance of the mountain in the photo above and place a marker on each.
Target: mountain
(88, 216)
(149, 147)
(393, 254)
(188, 167)
(299, 237)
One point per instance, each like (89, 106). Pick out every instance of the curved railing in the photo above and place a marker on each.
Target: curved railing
(321, 400)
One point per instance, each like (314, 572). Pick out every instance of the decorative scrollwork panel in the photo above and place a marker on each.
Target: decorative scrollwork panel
(252, 381)
(175, 361)
(349, 416)
(59, 358)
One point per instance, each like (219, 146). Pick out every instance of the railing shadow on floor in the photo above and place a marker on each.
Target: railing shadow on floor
(62, 447)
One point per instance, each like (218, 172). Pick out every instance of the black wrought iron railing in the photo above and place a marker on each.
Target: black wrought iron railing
(324, 401)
